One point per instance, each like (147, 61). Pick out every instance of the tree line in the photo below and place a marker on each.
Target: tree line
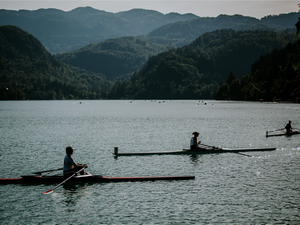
(196, 70)
(273, 77)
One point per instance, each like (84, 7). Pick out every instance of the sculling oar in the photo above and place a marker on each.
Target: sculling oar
(267, 132)
(226, 150)
(276, 130)
(45, 171)
(51, 190)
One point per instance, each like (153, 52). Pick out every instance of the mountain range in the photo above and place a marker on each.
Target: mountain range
(184, 56)
(61, 31)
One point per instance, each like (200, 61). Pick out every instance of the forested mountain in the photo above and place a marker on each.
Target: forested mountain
(27, 70)
(195, 70)
(114, 57)
(147, 20)
(184, 32)
(274, 77)
(61, 31)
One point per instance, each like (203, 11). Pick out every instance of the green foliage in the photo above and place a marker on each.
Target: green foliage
(114, 57)
(195, 71)
(27, 70)
(274, 77)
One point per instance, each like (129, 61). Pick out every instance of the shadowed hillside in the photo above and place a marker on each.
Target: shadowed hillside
(29, 71)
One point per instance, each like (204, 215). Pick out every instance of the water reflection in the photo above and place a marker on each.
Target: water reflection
(73, 193)
(195, 157)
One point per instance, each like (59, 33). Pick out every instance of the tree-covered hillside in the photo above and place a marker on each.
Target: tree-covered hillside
(274, 77)
(184, 32)
(196, 70)
(27, 70)
(114, 58)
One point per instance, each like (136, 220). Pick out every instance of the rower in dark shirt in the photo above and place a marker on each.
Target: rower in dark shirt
(69, 165)
(288, 128)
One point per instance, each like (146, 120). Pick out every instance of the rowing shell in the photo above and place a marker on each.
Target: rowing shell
(198, 151)
(85, 178)
(282, 134)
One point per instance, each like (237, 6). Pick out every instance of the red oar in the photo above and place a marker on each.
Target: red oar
(51, 190)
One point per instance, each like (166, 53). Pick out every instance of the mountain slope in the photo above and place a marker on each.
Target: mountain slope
(27, 70)
(195, 70)
(273, 77)
(186, 31)
(113, 57)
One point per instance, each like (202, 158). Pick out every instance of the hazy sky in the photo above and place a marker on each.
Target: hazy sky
(202, 8)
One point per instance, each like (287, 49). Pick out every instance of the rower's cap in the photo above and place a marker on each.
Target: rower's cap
(195, 132)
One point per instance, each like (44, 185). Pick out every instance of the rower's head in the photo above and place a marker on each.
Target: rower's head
(196, 133)
(69, 151)
(290, 121)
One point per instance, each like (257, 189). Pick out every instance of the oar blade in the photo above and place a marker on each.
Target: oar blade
(51, 190)
(48, 192)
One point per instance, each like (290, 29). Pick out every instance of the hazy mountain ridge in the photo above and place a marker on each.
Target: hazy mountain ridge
(187, 31)
(61, 31)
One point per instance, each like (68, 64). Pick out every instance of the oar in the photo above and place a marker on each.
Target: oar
(267, 132)
(51, 190)
(40, 172)
(276, 130)
(226, 150)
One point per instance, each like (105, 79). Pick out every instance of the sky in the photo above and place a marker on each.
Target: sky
(202, 8)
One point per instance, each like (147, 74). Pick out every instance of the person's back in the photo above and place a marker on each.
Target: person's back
(69, 165)
(288, 128)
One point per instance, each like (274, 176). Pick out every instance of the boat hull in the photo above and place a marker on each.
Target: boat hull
(283, 134)
(198, 151)
(86, 179)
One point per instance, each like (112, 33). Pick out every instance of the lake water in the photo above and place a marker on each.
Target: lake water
(228, 189)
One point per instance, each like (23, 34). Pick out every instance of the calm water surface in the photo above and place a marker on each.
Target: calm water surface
(228, 189)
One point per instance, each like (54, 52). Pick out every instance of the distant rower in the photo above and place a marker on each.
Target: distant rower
(288, 128)
(193, 143)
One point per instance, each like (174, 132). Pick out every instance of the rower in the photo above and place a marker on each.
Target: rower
(288, 128)
(69, 165)
(193, 143)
